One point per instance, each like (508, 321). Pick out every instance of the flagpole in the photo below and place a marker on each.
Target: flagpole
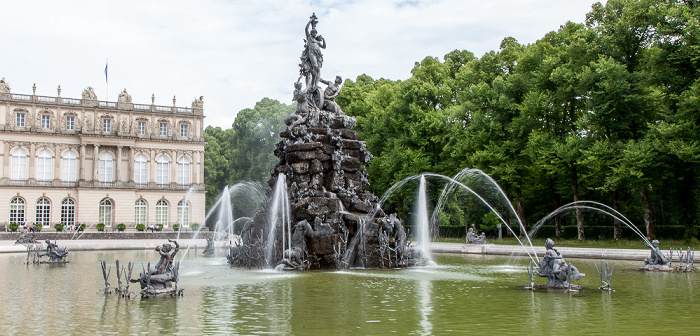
(107, 81)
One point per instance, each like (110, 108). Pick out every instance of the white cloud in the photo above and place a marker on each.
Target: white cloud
(234, 53)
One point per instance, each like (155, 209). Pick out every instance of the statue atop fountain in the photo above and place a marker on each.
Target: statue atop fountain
(327, 219)
(558, 272)
(166, 272)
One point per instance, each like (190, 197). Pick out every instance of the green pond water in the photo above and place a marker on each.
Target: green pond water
(465, 294)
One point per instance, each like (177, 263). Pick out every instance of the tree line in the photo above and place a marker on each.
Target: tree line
(605, 110)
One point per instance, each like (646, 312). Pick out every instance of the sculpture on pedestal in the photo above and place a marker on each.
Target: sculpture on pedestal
(473, 238)
(4, 87)
(55, 254)
(331, 220)
(160, 279)
(558, 272)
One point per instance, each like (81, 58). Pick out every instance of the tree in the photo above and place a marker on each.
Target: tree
(254, 134)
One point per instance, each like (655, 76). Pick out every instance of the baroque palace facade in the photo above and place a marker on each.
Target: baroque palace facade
(74, 161)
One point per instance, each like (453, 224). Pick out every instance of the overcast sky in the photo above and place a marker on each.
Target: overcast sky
(234, 53)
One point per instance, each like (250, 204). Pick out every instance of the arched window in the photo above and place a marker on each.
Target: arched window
(44, 164)
(68, 211)
(19, 164)
(70, 166)
(140, 212)
(17, 210)
(183, 213)
(105, 212)
(141, 169)
(162, 169)
(183, 171)
(43, 212)
(106, 168)
(162, 213)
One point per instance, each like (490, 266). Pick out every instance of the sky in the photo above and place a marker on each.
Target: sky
(234, 53)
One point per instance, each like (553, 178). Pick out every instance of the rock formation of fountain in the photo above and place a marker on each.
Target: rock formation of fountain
(331, 221)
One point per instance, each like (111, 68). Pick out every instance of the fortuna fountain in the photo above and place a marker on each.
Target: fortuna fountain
(319, 214)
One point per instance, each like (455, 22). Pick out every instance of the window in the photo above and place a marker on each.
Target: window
(162, 170)
(140, 212)
(142, 127)
(183, 171)
(107, 125)
(17, 210)
(163, 129)
(106, 168)
(70, 166)
(68, 211)
(70, 123)
(19, 164)
(43, 212)
(162, 213)
(183, 213)
(184, 130)
(21, 117)
(44, 165)
(105, 212)
(45, 121)
(141, 169)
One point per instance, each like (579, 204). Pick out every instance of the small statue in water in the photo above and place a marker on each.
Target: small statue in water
(55, 254)
(555, 269)
(656, 257)
(159, 280)
(656, 260)
(209, 250)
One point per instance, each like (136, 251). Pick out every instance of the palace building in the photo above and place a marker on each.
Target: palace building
(74, 161)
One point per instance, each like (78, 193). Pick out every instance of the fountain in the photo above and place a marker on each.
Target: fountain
(316, 215)
(209, 249)
(57, 255)
(453, 185)
(160, 279)
(558, 272)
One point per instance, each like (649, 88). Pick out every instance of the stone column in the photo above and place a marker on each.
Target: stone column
(117, 169)
(57, 165)
(31, 162)
(82, 163)
(130, 165)
(173, 170)
(96, 164)
(200, 177)
(6, 173)
(152, 167)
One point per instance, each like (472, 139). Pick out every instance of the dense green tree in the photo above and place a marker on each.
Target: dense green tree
(608, 110)
(255, 132)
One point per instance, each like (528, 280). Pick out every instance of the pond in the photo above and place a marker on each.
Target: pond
(465, 294)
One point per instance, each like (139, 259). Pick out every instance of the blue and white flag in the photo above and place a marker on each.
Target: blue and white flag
(106, 64)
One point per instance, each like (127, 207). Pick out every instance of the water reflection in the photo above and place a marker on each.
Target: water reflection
(474, 294)
(426, 305)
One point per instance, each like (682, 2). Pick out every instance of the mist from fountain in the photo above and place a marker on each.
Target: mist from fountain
(279, 211)
(594, 206)
(488, 188)
(458, 185)
(223, 209)
(182, 214)
(421, 221)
